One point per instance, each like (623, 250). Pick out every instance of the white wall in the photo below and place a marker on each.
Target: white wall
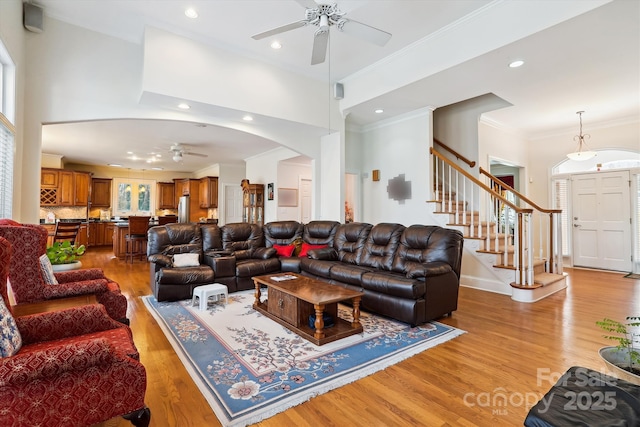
(398, 146)
(329, 183)
(13, 37)
(289, 175)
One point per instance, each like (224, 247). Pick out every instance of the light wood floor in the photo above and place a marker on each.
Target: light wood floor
(510, 350)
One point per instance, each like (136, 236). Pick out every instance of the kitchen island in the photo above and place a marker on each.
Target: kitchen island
(119, 242)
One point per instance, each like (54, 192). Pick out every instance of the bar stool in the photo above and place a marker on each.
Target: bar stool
(136, 237)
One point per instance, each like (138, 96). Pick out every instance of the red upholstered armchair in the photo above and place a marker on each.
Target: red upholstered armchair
(29, 242)
(73, 367)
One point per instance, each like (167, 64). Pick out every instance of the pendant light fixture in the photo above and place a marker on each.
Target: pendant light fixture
(583, 152)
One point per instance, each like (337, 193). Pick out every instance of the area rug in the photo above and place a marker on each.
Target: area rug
(249, 367)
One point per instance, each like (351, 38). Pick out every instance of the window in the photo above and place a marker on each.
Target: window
(7, 131)
(133, 197)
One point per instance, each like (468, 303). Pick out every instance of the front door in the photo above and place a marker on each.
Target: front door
(602, 220)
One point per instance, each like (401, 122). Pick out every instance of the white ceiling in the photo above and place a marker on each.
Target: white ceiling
(590, 62)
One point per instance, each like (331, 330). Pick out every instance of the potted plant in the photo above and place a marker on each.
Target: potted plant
(623, 358)
(64, 255)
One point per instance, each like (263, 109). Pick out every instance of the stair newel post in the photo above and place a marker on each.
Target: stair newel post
(495, 206)
(443, 191)
(507, 234)
(552, 253)
(558, 243)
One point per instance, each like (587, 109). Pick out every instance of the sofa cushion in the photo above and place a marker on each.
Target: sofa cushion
(320, 232)
(284, 250)
(282, 232)
(349, 241)
(316, 267)
(394, 284)
(347, 273)
(47, 270)
(381, 245)
(10, 339)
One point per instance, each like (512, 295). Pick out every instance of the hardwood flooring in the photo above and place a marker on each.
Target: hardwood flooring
(511, 352)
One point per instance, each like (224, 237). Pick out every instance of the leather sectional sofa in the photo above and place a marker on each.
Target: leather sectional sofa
(410, 273)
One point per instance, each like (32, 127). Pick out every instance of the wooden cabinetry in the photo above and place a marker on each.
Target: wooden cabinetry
(166, 195)
(82, 238)
(101, 192)
(252, 202)
(101, 233)
(59, 187)
(208, 192)
(81, 188)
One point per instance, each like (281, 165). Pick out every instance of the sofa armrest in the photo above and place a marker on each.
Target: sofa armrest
(65, 323)
(326, 254)
(264, 253)
(53, 360)
(223, 266)
(428, 269)
(85, 287)
(80, 275)
(218, 253)
(161, 260)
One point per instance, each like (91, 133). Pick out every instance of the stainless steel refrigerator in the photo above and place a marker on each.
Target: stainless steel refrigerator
(183, 209)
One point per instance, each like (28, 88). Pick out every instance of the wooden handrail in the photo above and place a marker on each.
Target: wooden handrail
(459, 156)
(480, 183)
(517, 193)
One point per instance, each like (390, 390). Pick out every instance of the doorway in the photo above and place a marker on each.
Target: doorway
(232, 203)
(601, 220)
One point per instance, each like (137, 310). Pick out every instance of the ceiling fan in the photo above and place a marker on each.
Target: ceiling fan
(177, 150)
(324, 16)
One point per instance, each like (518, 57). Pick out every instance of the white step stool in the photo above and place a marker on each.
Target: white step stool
(205, 291)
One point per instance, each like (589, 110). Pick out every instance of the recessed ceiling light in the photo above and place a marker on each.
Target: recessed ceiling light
(184, 106)
(247, 118)
(114, 165)
(158, 155)
(191, 13)
(516, 64)
(129, 152)
(157, 169)
(379, 111)
(276, 45)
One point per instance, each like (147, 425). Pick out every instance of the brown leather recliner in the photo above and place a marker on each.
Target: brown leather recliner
(247, 255)
(170, 283)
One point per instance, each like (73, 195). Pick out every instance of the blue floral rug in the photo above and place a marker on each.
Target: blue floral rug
(250, 368)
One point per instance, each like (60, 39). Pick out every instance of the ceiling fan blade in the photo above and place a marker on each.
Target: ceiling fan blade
(320, 41)
(309, 4)
(278, 30)
(189, 153)
(366, 32)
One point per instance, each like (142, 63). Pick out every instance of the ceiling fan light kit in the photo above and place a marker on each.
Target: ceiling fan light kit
(178, 150)
(324, 16)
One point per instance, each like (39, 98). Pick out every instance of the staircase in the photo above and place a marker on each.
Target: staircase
(511, 244)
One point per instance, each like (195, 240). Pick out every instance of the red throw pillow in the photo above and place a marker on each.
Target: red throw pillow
(307, 247)
(282, 250)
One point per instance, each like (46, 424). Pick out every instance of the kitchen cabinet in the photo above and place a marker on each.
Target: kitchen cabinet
(82, 238)
(101, 233)
(81, 188)
(60, 187)
(66, 195)
(208, 193)
(49, 178)
(101, 192)
(51, 228)
(166, 195)
(252, 202)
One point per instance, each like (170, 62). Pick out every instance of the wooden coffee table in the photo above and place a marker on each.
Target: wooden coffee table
(291, 302)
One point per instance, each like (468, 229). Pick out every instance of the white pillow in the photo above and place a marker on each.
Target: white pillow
(186, 260)
(47, 270)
